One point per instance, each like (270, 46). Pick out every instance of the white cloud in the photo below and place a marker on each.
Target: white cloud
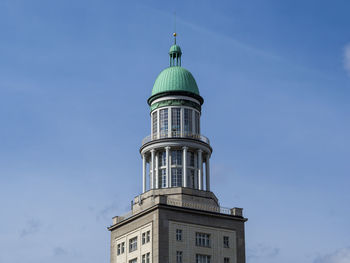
(339, 256)
(347, 57)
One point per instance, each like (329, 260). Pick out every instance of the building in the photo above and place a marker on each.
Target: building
(177, 218)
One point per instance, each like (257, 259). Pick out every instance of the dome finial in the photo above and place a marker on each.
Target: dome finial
(175, 35)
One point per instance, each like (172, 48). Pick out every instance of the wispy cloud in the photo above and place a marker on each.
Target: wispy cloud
(347, 58)
(262, 251)
(32, 226)
(339, 256)
(59, 251)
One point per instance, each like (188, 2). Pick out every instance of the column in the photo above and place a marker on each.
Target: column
(207, 173)
(182, 122)
(184, 166)
(157, 170)
(152, 169)
(200, 170)
(167, 150)
(158, 125)
(143, 173)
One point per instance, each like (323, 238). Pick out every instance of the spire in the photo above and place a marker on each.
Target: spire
(175, 53)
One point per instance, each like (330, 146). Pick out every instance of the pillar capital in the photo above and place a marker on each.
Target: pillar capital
(152, 150)
(199, 150)
(185, 147)
(167, 148)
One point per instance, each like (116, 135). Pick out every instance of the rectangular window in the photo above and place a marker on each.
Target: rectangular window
(226, 242)
(176, 177)
(188, 122)
(162, 156)
(163, 123)
(178, 256)
(143, 238)
(146, 258)
(163, 177)
(132, 244)
(202, 240)
(148, 236)
(134, 260)
(202, 258)
(190, 158)
(123, 248)
(196, 124)
(226, 260)
(118, 249)
(176, 157)
(175, 122)
(178, 234)
(154, 125)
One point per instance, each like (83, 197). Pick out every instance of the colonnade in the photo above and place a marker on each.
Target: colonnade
(154, 168)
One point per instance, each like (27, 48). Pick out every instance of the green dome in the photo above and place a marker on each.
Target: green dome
(175, 79)
(175, 49)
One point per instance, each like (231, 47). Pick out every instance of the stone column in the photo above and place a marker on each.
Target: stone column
(157, 171)
(207, 173)
(200, 170)
(152, 169)
(167, 150)
(143, 173)
(184, 166)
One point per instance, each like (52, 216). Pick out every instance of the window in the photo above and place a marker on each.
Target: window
(146, 258)
(120, 248)
(163, 123)
(226, 242)
(226, 260)
(162, 158)
(176, 157)
(146, 237)
(179, 234)
(178, 256)
(134, 260)
(133, 244)
(154, 124)
(176, 177)
(190, 159)
(196, 122)
(188, 122)
(202, 240)
(123, 248)
(163, 177)
(175, 122)
(202, 258)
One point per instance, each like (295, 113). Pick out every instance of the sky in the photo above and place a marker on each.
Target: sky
(74, 80)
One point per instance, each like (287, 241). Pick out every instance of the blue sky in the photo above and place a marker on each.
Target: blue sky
(75, 77)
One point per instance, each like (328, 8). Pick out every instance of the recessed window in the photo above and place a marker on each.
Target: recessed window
(188, 122)
(176, 157)
(178, 234)
(118, 249)
(133, 244)
(146, 258)
(163, 118)
(154, 124)
(202, 240)
(226, 242)
(178, 256)
(176, 177)
(163, 177)
(226, 260)
(196, 123)
(146, 237)
(175, 122)
(202, 258)
(134, 260)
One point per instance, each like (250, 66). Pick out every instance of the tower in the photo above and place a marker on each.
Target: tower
(176, 218)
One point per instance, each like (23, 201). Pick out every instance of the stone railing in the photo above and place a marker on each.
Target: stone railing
(161, 135)
(199, 206)
(140, 206)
